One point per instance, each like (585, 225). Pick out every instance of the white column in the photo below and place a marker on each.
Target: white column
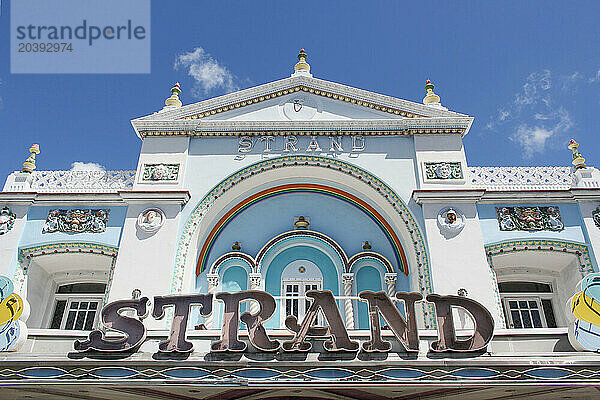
(347, 279)
(255, 282)
(213, 283)
(390, 281)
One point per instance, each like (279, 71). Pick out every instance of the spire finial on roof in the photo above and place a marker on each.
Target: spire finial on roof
(430, 97)
(174, 101)
(302, 65)
(578, 160)
(29, 164)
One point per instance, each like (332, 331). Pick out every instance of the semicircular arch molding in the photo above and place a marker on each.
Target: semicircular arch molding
(28, 254)
(259, 176)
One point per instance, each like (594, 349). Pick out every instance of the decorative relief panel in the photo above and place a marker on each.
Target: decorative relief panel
(7, 220)
(529, 219)
(76, 221)
(595, 217)
(443, 170)
(160, 172)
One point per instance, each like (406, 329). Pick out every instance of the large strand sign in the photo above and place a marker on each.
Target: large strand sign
(380, 306)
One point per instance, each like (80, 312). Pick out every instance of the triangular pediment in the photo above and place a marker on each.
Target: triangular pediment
(302, 98)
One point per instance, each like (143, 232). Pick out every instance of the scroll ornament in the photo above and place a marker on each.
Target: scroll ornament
(529, 219)
(596, 216)
(7, 220)
(76, 221)
(14, 311)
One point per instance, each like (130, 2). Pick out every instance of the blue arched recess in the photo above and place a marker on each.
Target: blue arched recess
(280, 261)
(367, 278)
(235, 279)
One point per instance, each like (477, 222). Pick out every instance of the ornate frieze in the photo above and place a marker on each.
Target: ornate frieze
(443, 170)
(529, 219)
(7, 220)
(521, 178)
(76, 221)
(595, 217)
(160, 172)
(82, 181)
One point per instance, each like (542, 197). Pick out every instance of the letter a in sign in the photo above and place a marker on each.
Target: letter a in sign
(335, 329)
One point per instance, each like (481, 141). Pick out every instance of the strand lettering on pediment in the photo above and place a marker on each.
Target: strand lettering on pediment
(301, 144)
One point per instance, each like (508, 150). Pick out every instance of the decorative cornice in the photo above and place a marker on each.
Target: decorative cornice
(307, 84)
(447, 125)
(422, 196)
(484, 196)
(121, 198)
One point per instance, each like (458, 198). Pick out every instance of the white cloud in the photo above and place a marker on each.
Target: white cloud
(0, 96)
(570, 82)
(595, 78)
(534, 139)
(503, 114)
(83, 166)
(533, 120)
(209, 75)
(534, 87)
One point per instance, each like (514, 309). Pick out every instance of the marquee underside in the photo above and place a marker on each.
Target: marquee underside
(458, 391)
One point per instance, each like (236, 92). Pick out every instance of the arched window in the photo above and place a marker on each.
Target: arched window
(527, 304)
(299, 277)
(77, 306)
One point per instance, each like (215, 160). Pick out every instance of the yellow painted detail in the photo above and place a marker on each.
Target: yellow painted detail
(11, 309)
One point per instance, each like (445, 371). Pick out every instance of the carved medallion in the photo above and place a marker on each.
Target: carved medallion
(7, 220)
(300, 108)
(76, 221)
(450, 222)
(529, 219)
(151, 220)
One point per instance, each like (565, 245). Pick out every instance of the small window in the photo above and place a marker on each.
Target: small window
(296, 302)
(77, 306)
(527, 304)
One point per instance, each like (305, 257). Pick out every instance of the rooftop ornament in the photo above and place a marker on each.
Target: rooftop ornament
(29, 164)
(302, 66)
(578, 160)
(174, 101)
(430, 97)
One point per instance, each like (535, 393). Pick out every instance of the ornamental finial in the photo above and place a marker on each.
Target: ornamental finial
(302, 65)
(430, 97)
(174, 101)
(29, 164)
(301, 223)
(578, 160)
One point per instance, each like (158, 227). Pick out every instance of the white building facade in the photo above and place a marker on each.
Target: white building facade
(293, 186)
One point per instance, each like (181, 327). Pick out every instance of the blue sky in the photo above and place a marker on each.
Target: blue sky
(529, 72)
